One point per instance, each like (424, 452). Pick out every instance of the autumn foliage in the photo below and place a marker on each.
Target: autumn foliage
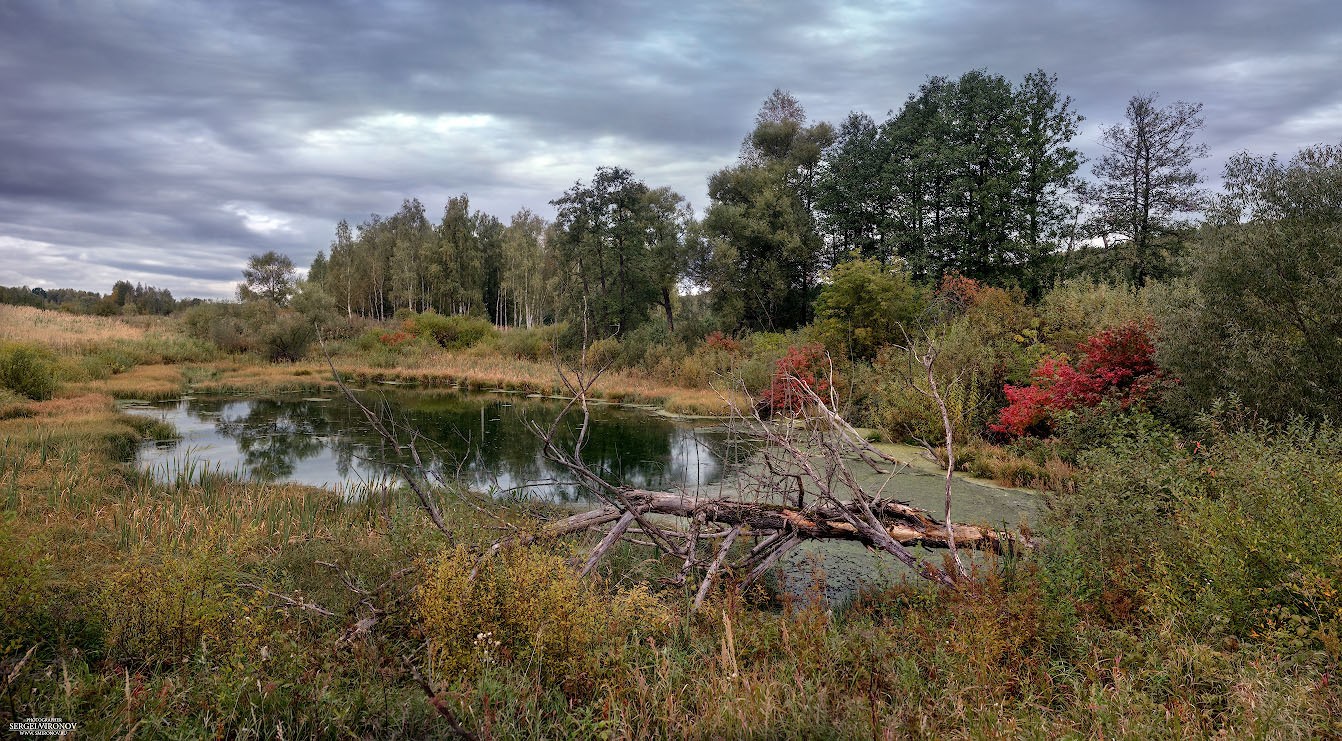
(803, 367)
(959, 290)
(1115, 364)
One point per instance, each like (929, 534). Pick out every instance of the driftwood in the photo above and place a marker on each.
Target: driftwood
(800, 486)
(907, 525)
(803, 488)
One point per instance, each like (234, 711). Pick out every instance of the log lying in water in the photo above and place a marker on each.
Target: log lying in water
(907, 525)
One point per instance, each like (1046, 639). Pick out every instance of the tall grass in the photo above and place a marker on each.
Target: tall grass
(60, 330)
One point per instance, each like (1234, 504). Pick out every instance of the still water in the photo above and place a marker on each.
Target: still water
(487, 442)
(484, 440)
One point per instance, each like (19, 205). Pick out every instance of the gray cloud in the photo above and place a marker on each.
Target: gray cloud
(166, 141)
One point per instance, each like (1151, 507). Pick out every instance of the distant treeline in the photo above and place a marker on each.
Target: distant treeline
(972, 177)
(125, 298)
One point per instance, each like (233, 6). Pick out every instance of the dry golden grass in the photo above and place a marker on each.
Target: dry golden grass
(478, 370)
(151, 382)
(434, 370)
(259, 378)
(61, 331)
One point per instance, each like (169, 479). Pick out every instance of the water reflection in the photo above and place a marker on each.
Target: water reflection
(486, 440)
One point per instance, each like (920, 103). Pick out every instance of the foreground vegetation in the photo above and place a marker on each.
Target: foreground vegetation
(187, 608)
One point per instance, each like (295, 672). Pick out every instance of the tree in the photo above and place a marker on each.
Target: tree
(668, 260)
(122, 292)
(1146, 182)
(615, 242)
(763, 254)
(459, 254)
(970, 177)
(863, 305)
(270, 276)
(1258, 316)
(522, 283)
(411, 252)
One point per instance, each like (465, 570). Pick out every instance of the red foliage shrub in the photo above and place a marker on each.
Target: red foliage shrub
(395, 339)
(803, 367)
(1117, 363)
(716, 340)
(958, 289)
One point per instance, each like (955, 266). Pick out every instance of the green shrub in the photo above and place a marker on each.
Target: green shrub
(1078, 309)
(451, 332)
(1235, 533)
(27, 370)
(536, 343)
(635, 346)
(221, 325)
(905, 412)
(287, 339)
(24, 592)
(156, 614)
(604, 352)
(862, 305)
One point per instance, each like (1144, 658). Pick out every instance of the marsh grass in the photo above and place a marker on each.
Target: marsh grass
(68, 331)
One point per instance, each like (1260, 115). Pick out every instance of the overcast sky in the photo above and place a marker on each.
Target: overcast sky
(164, 142)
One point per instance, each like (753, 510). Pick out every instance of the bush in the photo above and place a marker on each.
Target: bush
(156, 614)
(1078, 309)
(862, 306)
(903, 412)
(638, 345)
(1258, 316)
(27, 370)
(989, 332)
(222, 325)
(527, 607)
(1234, 534)
(451, 332)
(24, 591)
(1115, 364)
(603, 352)
(536, 343)
(803, 370)
(287, 339)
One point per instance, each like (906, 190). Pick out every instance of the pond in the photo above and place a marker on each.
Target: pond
(485, 440)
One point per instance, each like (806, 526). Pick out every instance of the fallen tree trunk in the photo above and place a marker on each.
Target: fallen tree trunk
(907, 525)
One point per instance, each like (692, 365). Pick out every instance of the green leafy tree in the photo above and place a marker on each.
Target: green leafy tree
(411, 237)
(610, 242)
(270, 276)
(459, 253)
(489, 241)
(972, 176)
(670, 221)
(862, 306)
(762, 254)
(522, 284)
(1258, 315)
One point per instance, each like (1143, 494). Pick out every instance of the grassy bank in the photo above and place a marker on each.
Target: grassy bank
(152, 358)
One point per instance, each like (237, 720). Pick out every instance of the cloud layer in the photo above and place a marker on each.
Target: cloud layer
(164, 142)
